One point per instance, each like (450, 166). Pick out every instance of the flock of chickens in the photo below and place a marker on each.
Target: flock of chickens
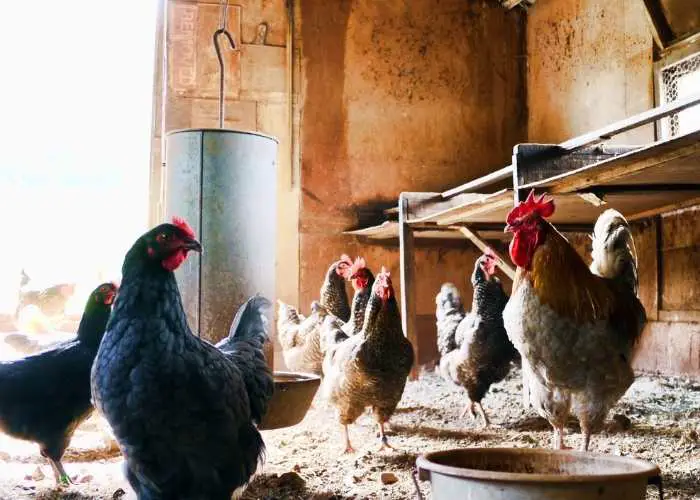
(185, 412)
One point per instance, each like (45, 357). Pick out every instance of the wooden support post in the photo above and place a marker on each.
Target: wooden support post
(474, 237)
(408, 283)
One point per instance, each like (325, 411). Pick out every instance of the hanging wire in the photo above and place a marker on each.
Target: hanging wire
(223, 22)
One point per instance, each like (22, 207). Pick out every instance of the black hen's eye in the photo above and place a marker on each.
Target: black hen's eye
(162, 237)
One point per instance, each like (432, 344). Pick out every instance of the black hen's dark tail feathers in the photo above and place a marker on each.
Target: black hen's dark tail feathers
(249, 324)
(244, 346)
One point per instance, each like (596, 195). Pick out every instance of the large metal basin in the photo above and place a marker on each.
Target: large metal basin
(534, 474)
(293, 395)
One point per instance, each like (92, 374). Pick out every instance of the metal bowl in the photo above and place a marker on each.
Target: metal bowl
(293, 395)
(534, 474)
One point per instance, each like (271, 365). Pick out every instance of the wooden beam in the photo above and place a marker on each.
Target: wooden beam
(408, 281)
(474, 237)
(630, 123)
(680, 316)
(622, 166)
(486, 180)
(661, 30)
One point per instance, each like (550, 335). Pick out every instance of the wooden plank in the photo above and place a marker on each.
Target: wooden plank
(662, 209)
(408, 281)
(646, 242)
(536, 162)
(660, 28)
(493, 210)
(630, 123)
(480, 182)
(680, 316)
(475, 238)
(619, 168)
(469, 203)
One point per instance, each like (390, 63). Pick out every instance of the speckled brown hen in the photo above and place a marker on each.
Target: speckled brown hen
(370, 369)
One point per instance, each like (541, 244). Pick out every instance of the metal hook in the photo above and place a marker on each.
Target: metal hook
(222, 31)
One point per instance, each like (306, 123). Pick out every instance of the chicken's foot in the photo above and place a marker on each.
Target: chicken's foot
(348, 446)
(558, 439)
(586, 439)
(469, 407)
(62, 477)
(481, 411)
(382, 436)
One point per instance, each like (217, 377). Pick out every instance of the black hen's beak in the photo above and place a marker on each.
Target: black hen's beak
(508, 229)
(193, 245)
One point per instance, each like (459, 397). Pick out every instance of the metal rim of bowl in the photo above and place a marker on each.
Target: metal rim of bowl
(424, 463)
(299, 376)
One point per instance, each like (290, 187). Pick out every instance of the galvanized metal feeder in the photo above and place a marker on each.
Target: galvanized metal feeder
(224, 183)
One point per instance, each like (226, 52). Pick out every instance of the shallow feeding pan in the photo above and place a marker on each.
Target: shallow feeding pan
(292, 398)
(534, 474)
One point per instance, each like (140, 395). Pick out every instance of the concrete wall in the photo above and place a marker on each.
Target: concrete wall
(589, 64)
(400, 96)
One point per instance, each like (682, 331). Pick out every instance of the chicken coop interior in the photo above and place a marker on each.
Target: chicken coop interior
(349, 249)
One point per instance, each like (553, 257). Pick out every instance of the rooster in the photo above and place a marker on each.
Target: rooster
(483, 353)
(574, 327)
(449, 312)
(370, 369)
(300, 338)
(44, 397)
(183, 411)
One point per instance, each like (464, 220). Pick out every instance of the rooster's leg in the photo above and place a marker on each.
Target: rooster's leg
(382, 436)
(348, 446)
(481, 411)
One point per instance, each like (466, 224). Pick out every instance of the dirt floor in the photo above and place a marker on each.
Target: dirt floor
(305, 461)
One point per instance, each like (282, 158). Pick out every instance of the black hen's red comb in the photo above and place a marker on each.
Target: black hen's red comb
(531, 205)
(184, 226)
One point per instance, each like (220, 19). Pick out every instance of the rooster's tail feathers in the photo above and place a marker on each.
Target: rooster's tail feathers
(613, 251)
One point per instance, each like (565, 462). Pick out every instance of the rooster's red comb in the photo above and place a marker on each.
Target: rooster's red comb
(183, 226)
(531, 205)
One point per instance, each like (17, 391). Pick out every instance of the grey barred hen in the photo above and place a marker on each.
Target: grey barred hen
(449, 312)
(334, 296)
(484, 354)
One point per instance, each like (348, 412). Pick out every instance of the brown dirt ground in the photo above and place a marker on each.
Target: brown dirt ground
(665, 416)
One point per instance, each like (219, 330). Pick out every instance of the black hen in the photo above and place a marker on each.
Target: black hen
(183, 411)
(44, 397)
(484, 353)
